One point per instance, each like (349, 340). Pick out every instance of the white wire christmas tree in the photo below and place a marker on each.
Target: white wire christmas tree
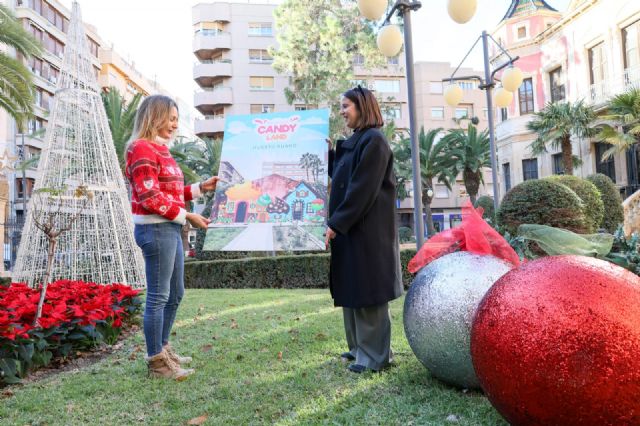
(79, 152)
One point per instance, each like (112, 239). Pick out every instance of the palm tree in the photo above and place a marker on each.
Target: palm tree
(306, 163)
(121, 117)
(434, 164)
(468, 152)
(556, 123)
(16, 88)
(199, 159)
(624, 111)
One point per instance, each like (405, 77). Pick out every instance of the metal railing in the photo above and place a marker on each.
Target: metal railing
(602, 91)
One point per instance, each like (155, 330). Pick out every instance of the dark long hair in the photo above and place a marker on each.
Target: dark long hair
(367, 105)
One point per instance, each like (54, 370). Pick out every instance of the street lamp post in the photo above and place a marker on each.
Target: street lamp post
(390, 42)
(511, 80)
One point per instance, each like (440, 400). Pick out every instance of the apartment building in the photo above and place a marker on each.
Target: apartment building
(432, 113)
(234, 73)
(591, 52)
(48, 22)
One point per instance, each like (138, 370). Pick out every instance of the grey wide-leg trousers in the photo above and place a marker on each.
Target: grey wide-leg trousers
(368, 332)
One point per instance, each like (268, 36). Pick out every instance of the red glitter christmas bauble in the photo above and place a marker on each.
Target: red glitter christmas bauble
(557, 342)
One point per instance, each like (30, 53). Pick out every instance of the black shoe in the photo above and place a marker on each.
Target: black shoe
(357, 368)
(347, 356)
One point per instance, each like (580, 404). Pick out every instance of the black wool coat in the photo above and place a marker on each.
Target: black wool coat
(365, 255)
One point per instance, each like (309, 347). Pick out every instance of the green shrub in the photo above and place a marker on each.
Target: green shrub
(486, 203)
(300, 271)
(405, 234)
(542, 202)
(612, 201)
(590, 196)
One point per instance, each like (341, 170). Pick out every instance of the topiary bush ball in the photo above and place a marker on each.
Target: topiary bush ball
(612, 201)
(542, 202)
(590, 196)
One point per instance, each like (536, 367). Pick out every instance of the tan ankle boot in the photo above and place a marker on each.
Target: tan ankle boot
(180, 360)
(160, 366)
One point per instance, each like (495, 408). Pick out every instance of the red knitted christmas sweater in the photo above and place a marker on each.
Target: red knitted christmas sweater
(158, 193)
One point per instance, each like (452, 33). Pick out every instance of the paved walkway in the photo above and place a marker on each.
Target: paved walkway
(258, 236)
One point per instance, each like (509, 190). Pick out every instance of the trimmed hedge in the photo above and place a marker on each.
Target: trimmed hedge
(542, 202)
(611, 199)
(590, 196)
(300, 271)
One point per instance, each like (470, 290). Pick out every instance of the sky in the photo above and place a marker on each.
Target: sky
(156, 35)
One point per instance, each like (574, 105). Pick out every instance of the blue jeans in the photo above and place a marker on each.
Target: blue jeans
(161, 245)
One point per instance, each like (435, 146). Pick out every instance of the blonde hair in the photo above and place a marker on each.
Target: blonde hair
(153, 112)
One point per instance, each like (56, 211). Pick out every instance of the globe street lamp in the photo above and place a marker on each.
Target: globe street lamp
(389, 42)
(511, 80)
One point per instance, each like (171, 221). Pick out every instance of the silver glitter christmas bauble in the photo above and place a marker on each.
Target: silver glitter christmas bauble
(439, 309)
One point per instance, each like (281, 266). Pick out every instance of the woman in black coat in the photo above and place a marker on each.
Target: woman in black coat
(365, 258)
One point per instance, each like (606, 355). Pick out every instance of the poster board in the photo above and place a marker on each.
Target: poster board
(273, 190)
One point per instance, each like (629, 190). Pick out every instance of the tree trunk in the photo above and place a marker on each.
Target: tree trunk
(45, 281)
(431, 230)
(567, 155)
(471, 183)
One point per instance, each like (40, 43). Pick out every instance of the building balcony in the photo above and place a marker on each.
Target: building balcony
(601, 92)
(211, 126)
(205, 46)
(512, 127)
(208, 100)
(205, 12)
(205, 73)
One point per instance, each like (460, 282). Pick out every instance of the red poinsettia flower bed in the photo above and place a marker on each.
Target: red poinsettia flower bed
(75, 315)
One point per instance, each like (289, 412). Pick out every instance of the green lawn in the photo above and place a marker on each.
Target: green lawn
(262, 357)
(220, 237)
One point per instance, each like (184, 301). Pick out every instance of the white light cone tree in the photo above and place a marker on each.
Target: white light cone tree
(99, 245)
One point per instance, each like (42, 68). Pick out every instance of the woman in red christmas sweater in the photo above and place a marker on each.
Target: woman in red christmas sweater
(158, 207)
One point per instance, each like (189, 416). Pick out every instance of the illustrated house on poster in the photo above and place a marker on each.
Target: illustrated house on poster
(273, 194)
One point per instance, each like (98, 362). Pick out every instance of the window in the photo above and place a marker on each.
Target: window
(393, 60)
(437, 113)
(522, 32)
(260, 29)
(358, 59)
(387, 86)
(93, 47)
(441, 191)
(558, 166)
(485, 113)
(209, 28)
(467, 85)
(303, 107)
(597, 64)
(261, 56)
(556, 84)
(504, 114)
(631, 48)
(435, 87)
(261, 108)
(525, 94)
(261, 83)
(392, 111)
(506, 172)
(462, 112)
(608, 166)
(530, 169)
